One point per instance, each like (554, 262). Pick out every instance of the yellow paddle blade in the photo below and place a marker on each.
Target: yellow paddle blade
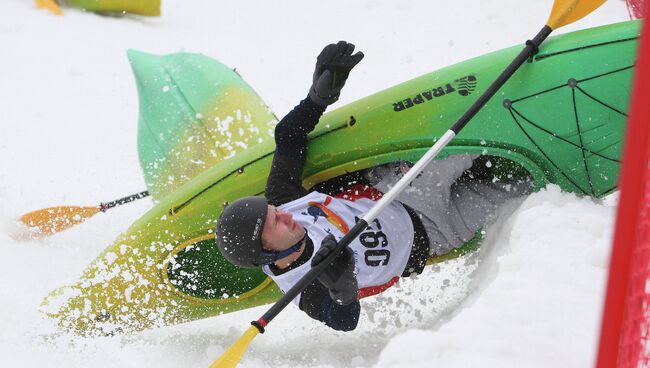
(568, 11)
(50, 5)
(54, 219)
(233, 355)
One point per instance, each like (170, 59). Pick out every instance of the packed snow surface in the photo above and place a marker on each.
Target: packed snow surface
(530, 298)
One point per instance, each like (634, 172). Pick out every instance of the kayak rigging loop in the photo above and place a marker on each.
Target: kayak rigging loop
(555, 135)
(545, 154)
(583, 145)
(537, 94)
(600, 102)
(582, 150)
(546, 55)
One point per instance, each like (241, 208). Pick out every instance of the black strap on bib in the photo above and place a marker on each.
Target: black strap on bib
(420, 251)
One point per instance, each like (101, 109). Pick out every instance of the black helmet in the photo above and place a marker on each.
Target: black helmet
(239, 231)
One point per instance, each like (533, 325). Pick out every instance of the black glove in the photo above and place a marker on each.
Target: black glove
(333, 66)
(339, 276)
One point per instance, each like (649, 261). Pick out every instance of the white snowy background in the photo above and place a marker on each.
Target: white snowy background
(68, 118)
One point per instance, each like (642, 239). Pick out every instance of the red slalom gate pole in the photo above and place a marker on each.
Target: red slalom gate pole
(634, 175)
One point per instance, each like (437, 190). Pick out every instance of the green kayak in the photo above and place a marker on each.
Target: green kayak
(205, 139)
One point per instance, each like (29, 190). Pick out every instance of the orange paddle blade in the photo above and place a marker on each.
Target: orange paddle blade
(568, 11)
(54, 219)
(50, 5)
(233, 355)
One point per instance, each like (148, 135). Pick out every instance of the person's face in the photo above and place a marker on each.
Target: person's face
(280, 230)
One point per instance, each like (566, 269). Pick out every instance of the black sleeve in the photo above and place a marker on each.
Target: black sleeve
(284, 183)
(317, 303)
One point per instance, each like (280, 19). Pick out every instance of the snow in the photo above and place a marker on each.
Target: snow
(531, 297)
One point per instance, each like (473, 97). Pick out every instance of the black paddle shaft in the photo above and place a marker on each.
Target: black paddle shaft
(532, 47)
(106, 206)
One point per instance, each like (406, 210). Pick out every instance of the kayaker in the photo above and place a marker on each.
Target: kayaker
(291, 229)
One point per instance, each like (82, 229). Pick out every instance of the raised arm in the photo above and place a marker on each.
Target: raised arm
(333, 66)
(285, 179)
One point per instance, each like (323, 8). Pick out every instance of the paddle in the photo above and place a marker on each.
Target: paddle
(48, 221)
(50, 5)
(564, 12)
